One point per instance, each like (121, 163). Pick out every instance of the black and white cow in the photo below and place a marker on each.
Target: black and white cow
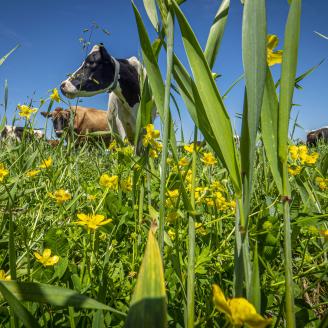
(99, 73)
(16, 133)
(314, 136)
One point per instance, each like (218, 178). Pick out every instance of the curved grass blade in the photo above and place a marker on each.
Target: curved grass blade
(269, 128)
(148, 304)
(19, 309)
(56, 296)
(3, 59)
(211, 99)
(216, 33)
(151, 11)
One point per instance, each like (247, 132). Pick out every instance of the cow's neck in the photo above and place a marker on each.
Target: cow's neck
(128, 88)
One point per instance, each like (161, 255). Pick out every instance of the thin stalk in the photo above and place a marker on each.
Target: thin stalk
(166, 130)
(290, 314)
(191, 244)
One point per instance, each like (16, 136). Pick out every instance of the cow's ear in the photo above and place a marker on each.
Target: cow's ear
(46, 114)
(104, 54)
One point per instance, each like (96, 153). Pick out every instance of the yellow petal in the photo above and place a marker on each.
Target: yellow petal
(275, 58)
(257, 321)
(105, 222)
(37, 255)
(46, 253)
(82, 217)
(272, 41)
(52, 260)
(220, 301)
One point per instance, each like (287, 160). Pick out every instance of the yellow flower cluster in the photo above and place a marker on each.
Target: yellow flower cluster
(46, 259)
(26, 111)
(61, 196)
(4, 276)
(3, 172)
(92, 221)
(208, 159)
(46, 163)
(149, 139)
(55, 95)
(273, 57)
(126, 185)
(110, 182)
(324, 234)
(172, 196)
(300, 156)
(238, 310)
(190, 148)
(322, 183)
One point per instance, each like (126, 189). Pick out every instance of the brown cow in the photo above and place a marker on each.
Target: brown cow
(86, 120)
(314, 136)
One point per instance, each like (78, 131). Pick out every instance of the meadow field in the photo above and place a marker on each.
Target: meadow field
(222, 233)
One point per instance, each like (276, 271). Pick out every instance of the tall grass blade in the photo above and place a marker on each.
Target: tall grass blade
(3, 59)
(148, 304)
(18, 308)
(56, 296)
(269, 129)
(216, 33)
(150, 6)
(213, 105)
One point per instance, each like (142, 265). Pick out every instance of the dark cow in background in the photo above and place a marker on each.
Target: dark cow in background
(314, 136)
(102, 73)
(85, 120)
(16, 133)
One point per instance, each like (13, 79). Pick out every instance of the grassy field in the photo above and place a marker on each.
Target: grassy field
(227, 234)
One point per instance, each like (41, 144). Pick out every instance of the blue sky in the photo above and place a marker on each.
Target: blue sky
(49, 33)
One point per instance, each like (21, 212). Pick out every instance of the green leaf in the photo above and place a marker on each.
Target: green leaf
(148, 304)
(254, 60)
(322, 35)
(255, 294)
(17, 306)
(216, 113)
(288, 73)
(151, 11)
(2, 60)
(269, 128)
(216, 33)
(57, 296)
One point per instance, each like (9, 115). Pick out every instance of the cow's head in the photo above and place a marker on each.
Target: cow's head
(60, 119)
(98, 73)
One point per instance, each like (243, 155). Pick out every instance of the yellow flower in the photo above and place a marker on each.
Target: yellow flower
(172, 197)
(324, 234)
(110, 182)
(92, 221)
(217, 186)
(273, 57)
(208, 159)
(183, 161)
(238, 310)
(55, 95)
(169, 161)
(113, 145)
(126, 184)
(173, 193)
(151, 135)
(32, 173)
(294, 169)
(26, 111)
(322, 183)
(3, 172)
(46, 259)
(200, 228)
(46, 163)
(312, 158)
(189, 148)
(171, 234)
(302, 153)
(3, 276)
(153, 153)
(293, 151)
(127, 150)
(91, 198)
(61, 196)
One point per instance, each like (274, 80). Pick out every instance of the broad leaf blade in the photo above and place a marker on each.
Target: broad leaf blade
(216, 33)
(148, 304)
(211, 99)
(18, 307)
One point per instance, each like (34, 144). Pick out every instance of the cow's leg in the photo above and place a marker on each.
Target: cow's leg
(115, 124)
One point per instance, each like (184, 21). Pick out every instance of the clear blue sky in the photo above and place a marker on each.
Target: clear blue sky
(49, 33)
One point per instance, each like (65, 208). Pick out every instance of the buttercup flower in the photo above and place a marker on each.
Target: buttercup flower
(312, 158)
(32, 173)
(151, 135)
(153, 153)
(273, 57)
(208, 159)
(55, 95)
(183, 161)
(110, 182)
(293, 151)
(171, 234)
(126, 184)
(46, 163)
(3, 172)
(238, 310)
(92, 221)
(294, 169)
(189, 148)
(322, 183)
(46, 259)
(324, 234)
(61, 196)
(26, 111)
(3, 275)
